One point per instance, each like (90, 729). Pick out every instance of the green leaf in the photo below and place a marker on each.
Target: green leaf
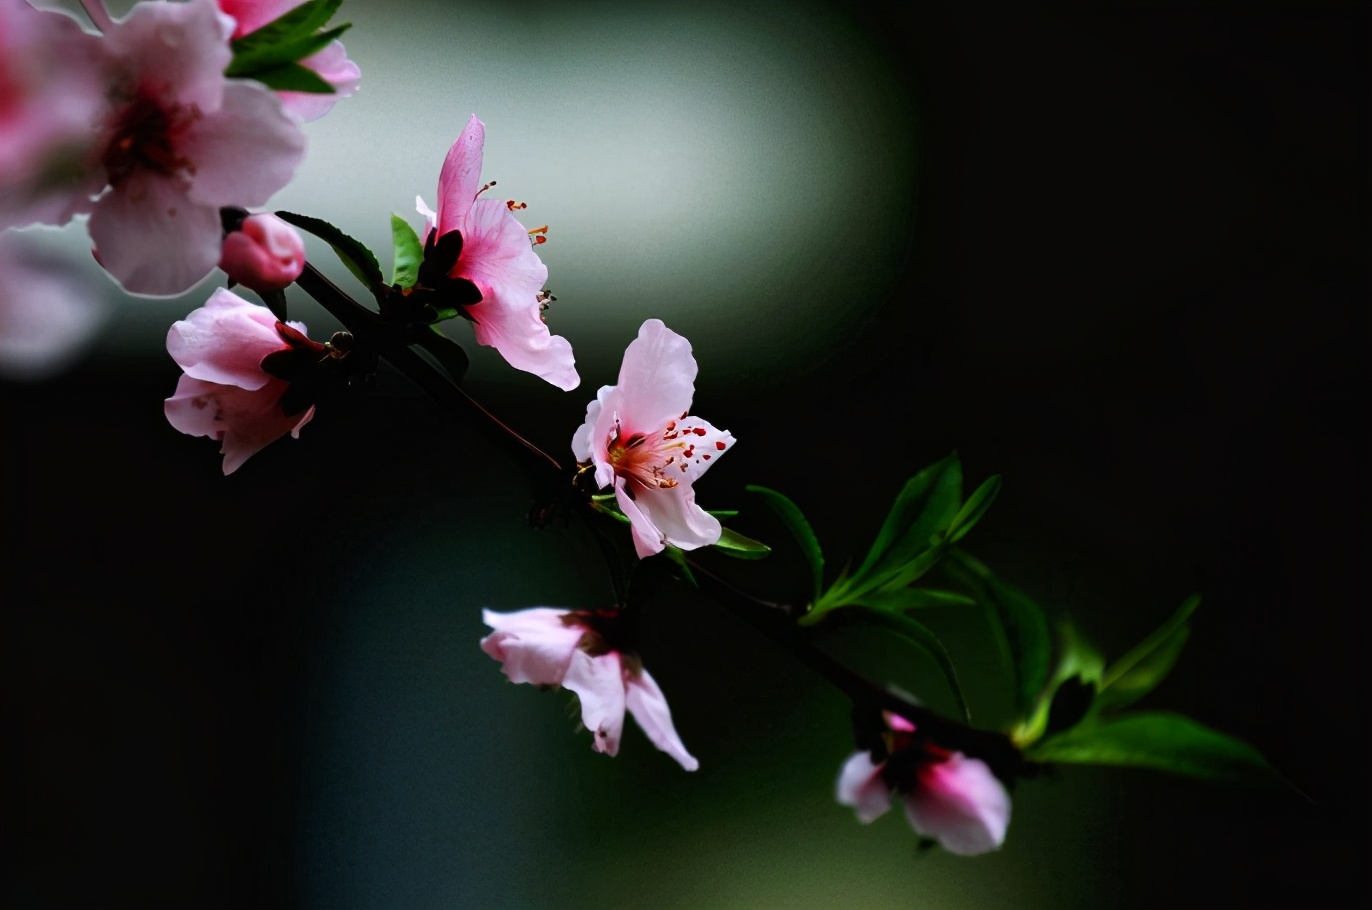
(1022, 625)
(250, 59)
(305, 19)
(925, 506)
(292, 77)
(723, 514)
(973, 509)
(1078, 661)
(1137, 673)
(732, 543)
(922, 598)
(409, 253)
(447, 352)
(1158, 740)
(355, 255)
(800, 529)
(927, 641)
(678, 557)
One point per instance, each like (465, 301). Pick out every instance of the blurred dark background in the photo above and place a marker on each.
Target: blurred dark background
(1122, 261)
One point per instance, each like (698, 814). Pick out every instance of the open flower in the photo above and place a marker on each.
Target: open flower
(265, 254)
(331, 63)
(948, 797)
(481, 258)
(639, 436)
(226, 394)
(181, 142)
(548, 647)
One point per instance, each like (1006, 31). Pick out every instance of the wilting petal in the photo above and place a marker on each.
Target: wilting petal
(960, 803)
(460, 178)
(533, 646)
(151, 237)
(244, 421)
(225, 340)
(246, 152)
(657, 378)
(649, 707)
(860, 786)
(599, 683)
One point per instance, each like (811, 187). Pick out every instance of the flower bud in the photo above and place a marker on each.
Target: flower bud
(266, 254)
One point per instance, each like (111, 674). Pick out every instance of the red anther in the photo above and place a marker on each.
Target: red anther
(540, 239)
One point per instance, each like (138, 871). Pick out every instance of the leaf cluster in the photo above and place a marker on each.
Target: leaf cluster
(272, 53)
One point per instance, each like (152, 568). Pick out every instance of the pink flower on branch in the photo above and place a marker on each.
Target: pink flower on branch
(180, 143)
(640, 437)
(226, 393)
(948, 797)
(548, 647)
(332, 63)
(479, 256)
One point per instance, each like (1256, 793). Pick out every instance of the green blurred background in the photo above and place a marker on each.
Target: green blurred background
(1116, 253)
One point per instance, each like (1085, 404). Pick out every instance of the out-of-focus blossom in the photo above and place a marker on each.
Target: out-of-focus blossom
(51, 102)
(948, 797)
(181, 142)
(549, 647)
(226, 394)
(48, 313)
(331, 63)
(265, 254)
(639, 436)
(481, 258)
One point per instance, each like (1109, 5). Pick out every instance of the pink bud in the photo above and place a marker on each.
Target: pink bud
(266, 254)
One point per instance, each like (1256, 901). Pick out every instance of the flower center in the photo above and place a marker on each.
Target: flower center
(645, 460)
(144, 134)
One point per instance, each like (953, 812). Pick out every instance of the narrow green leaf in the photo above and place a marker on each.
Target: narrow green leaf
(924, 638)
(305, 19)
(1158, 740)
(974, 508)
(800, 529)
(732, 543)
(248, 62)
(1154, 641)
(922, 598)
(292, 77)
(447, 352)
(606, 503)
(1144, 676)
(924, 507)
(1080, 664)
(678, 557)
(723, 514)
(409, 252)
(354, 254)
(1022, 625)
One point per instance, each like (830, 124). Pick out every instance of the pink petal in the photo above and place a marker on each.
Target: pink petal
(225, 340)
(152, 238)
(250, 15)
(581, 439)
(244, 421)
(706, 447)
(246, 151)
(266, 254)
(592, 437)
(533, 646)
(960, 803)
(460, 178)
(673, 511)
(599, 683)
(649, 707)
(658, 378)
(333, 65)
(860, 786)
(497, 256)
(647, 537)
(176, 52)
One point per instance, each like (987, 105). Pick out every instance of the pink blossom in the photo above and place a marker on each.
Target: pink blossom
(639, 436)
(497, 258)
(51, 98)
(181, 142)
(948, 797)
(225, 393)
(266, 254)
(48, 313)
(548, 647)
(331, 63)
